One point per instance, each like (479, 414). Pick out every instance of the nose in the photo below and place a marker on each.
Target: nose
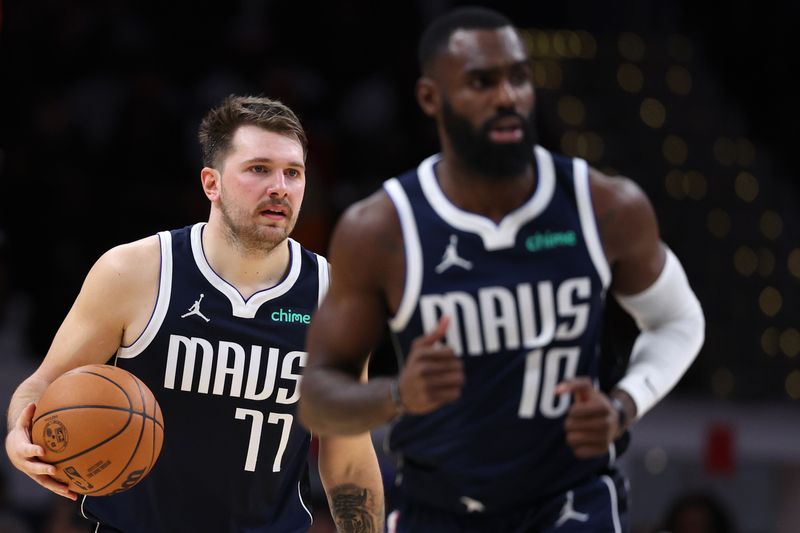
(506, 94)
(277, 187)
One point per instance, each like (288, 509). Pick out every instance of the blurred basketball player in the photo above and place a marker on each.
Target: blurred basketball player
(491, 262)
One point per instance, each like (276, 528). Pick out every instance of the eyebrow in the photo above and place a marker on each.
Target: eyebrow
(267, 160)
(491, 70)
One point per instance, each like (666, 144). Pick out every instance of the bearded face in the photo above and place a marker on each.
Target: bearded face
(480, 150)
(261, 187)
(248, 229)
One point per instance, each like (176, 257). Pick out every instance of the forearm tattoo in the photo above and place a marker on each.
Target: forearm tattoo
(350, 507)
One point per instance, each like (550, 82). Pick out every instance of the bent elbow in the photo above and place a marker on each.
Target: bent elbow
(305, 408)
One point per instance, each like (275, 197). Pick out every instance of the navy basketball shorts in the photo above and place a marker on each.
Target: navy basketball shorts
(599, 505)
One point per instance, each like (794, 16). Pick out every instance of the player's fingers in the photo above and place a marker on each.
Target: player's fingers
(588, 410)
(445, 395)
(587, 452)
(26, 416)
(449, 377)
(581, 387)
(591, 439)
(55, 486)
(432, 337)
(440, 365)
(33, 450)
(38, 468)
(445, 380)
(430, 399)
(592, 424)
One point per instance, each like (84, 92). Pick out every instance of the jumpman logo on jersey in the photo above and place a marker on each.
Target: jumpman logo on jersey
(473, 505)
(195, 310)
(451, 257)
(568, 512)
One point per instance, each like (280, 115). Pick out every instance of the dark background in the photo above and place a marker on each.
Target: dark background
(101, 101)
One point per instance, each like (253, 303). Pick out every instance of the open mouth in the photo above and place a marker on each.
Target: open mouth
(274, 213)
(506, 130)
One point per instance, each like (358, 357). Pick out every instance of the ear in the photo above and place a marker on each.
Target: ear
(428, 96)
(210, 179)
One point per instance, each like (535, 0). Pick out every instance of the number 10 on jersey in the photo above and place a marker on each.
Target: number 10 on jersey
(542, 373)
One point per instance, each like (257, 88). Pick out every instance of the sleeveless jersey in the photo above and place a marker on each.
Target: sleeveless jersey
(525, 298)
(226, 373)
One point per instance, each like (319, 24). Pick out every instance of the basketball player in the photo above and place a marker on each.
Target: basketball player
(492, 262)
(212, 317)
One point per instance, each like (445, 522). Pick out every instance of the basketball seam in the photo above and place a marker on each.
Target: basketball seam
(93, 406)
(130, 411)
(138, 440)
(128, 425)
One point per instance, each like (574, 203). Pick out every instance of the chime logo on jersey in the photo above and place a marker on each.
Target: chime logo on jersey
(287, 315)
(227, 367)
(550, 239)
(502, 318)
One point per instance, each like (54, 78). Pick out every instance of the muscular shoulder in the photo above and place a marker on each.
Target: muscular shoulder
(111, 309)
(131, 262)
(126, 274)
(369, 225)
(625, 216)
(367, 240)
(372, 216)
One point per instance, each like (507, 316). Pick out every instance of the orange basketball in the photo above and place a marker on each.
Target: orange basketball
(101, 427)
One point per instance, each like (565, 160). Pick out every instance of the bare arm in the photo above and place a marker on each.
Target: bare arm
(348, 467)
(92, 332)
(632, 242)
(651, 285)
(348, 326)
(367, 284)
(629, 232)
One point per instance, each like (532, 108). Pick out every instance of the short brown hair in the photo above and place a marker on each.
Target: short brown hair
(220, 124)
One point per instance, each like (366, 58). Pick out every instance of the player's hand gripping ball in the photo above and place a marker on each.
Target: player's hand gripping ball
(101, 427)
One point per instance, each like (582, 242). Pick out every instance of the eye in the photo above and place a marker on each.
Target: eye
(259, 169)
(520, 75)
(481, 81)
(292, 172)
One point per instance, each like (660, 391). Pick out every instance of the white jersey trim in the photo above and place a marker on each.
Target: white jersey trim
(324, 278)
(612, 454)
(413, 249)
(591, 234)
(391, 521)
(82, 511)
(612, 492)
(300, 496)
(162, 301)
(244, 308)
(495, 236)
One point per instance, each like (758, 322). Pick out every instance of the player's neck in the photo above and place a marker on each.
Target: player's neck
(248, 270)
(491, 197)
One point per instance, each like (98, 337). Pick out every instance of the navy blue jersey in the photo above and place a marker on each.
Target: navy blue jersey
(525, 298)
(226, 373)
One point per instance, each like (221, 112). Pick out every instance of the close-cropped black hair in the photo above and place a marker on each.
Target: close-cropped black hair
(438, 33)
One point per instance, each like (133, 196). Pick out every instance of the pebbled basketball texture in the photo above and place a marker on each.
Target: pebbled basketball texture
(101, 427)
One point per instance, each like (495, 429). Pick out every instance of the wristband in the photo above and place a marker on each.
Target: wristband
(622, 414)
(394, 389)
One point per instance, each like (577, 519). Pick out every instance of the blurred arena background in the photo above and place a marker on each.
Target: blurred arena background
(101, 102)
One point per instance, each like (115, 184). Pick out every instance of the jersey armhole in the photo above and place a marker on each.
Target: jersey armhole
(591, 234)
(324, 275)
(413, 255)
(162, 301)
